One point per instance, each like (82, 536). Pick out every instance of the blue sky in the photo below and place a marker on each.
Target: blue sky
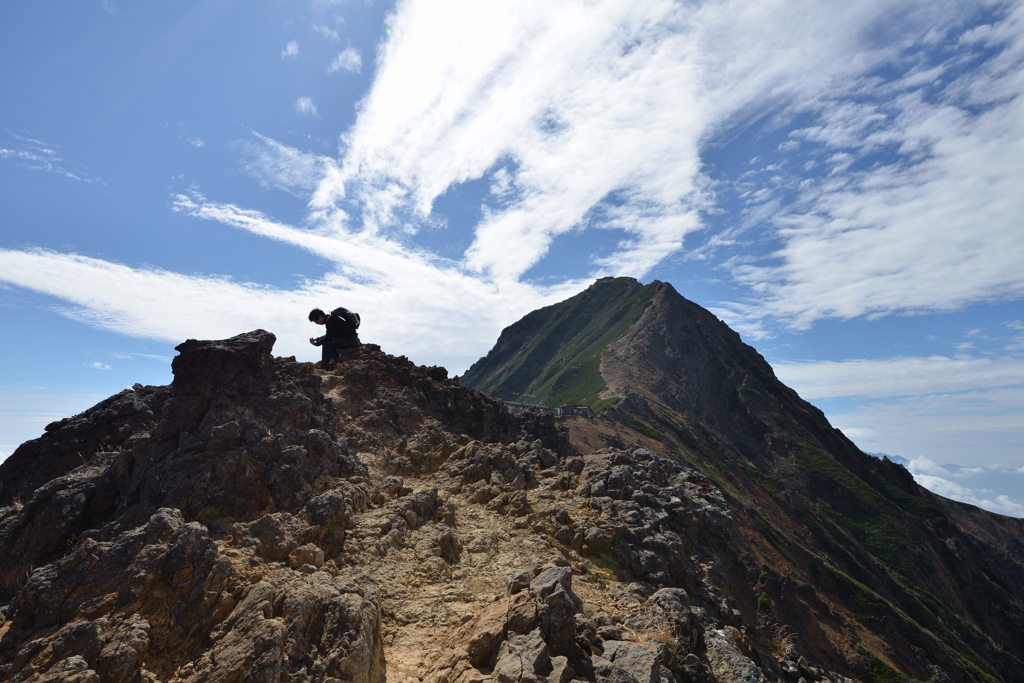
(840, 182)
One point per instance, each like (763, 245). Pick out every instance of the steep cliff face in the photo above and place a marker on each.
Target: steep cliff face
(919, 579)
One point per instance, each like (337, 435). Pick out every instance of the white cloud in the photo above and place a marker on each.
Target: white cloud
(980, 486)
(327, 32)
(968, 427)
(305, 107)
(924, 465)
(109, 7)
(902, 376)
(935, 226)
(981, 498)
(401, 294)
(99, 366)
(605, 108)
(602, 124)
(291, 50)
(129, 356)
(182, 135)
(349, 60)
(36, 155)
(279, 166)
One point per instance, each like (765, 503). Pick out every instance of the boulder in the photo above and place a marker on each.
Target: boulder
(487, 633)
(273, 536)
(522, 613)
(551, 580)
(308, 554)
(728, 665)
(634, 659)
(523, 659)
(519, 582)
(597, 541)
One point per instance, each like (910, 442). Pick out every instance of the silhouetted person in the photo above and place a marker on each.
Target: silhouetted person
(341, 333)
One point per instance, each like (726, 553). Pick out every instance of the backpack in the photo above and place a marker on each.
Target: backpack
(350, 316)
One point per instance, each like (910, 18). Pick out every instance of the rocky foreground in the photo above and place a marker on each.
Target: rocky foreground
(261, 520)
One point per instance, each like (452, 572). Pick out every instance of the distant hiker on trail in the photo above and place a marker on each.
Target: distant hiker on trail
(341, 333)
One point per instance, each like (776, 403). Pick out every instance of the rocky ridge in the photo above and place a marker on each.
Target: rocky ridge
(262, 520)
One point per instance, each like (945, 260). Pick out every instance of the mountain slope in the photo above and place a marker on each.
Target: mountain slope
(932, 579)
(553, 355)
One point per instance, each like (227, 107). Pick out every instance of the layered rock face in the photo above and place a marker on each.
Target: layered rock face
(262, 520)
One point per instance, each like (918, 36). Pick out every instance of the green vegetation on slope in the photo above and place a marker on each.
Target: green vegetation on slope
(866, 515)
(559, 361)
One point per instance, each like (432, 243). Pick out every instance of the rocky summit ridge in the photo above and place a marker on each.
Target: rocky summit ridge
(263, 520)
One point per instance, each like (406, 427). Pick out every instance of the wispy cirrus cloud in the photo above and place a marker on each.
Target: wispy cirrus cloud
(515, 93)
(926, 218)
(348, 59)
(327, 32)
(291, 50)
(281, 167)
(631, 96)
(193, 140)
(35, 155)
(372, 274)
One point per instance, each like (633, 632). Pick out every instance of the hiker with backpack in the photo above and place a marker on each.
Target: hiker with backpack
(341, 333)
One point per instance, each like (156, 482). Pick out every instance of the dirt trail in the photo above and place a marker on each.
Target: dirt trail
(428, 603)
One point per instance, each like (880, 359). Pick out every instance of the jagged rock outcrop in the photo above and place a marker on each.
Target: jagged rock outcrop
(151, 555)
(69, 442)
